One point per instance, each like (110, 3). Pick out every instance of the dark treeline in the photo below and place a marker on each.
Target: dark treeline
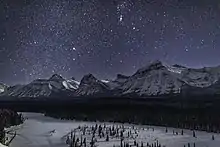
(191, 113)
(195, 119)
(188, 114)
(8, 118)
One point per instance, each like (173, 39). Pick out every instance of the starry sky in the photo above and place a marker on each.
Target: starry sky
(104, 37)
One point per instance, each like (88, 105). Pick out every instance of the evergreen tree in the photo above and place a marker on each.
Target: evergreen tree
(92, 143)
(68, 140)
(135, 142)
(107, 138)
(84, 142)
(81, 141)
(121, 145)
(127, 145)
(142, 144)
(194, 133)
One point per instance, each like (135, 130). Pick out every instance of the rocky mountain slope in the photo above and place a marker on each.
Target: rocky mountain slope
(155, 79)
(91, 86)
(54, 86)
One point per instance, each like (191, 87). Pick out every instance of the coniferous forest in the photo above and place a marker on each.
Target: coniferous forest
(188, 113)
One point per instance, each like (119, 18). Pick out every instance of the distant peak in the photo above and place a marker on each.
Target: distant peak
(56, 77)
(88, 78)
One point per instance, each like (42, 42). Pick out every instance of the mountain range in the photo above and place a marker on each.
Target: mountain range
(155, 79)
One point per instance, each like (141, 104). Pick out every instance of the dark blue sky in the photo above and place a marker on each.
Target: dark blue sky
(104, 37)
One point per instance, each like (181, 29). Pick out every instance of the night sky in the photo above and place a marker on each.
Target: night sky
(104, 37)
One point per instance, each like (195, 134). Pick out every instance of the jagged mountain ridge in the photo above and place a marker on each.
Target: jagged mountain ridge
(54, 86)
(91, 86)
(155, 79)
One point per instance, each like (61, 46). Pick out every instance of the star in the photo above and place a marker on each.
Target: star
(48, 37)
(121, 18)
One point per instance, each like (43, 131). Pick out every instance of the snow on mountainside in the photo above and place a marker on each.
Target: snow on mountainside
(175, 69)
(40, 88)
(159, 79)
(90, 86)
(105, 81)
(203, 77)
(154, 79)
(71, 84)
(2, 87)
(12, 90)
(213, 89)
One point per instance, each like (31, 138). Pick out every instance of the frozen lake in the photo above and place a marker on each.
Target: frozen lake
(41, 131)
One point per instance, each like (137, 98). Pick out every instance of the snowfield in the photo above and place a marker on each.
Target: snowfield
(41, 131)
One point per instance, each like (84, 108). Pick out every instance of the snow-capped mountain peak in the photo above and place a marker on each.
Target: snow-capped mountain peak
(56, 77)
(2, 87)
(90, 86)
(40, 88)
(89, 78)
(154, 79)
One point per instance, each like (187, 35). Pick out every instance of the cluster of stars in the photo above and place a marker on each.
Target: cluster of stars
(71, 37)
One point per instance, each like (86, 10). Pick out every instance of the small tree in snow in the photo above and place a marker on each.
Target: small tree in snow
(213, 137)
(107, 138)
(142, 144)
(194, 133)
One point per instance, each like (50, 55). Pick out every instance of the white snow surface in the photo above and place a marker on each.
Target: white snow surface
(41, 131)
(1, 145)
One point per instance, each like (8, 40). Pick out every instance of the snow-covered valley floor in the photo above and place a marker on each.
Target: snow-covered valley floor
(41, 131)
